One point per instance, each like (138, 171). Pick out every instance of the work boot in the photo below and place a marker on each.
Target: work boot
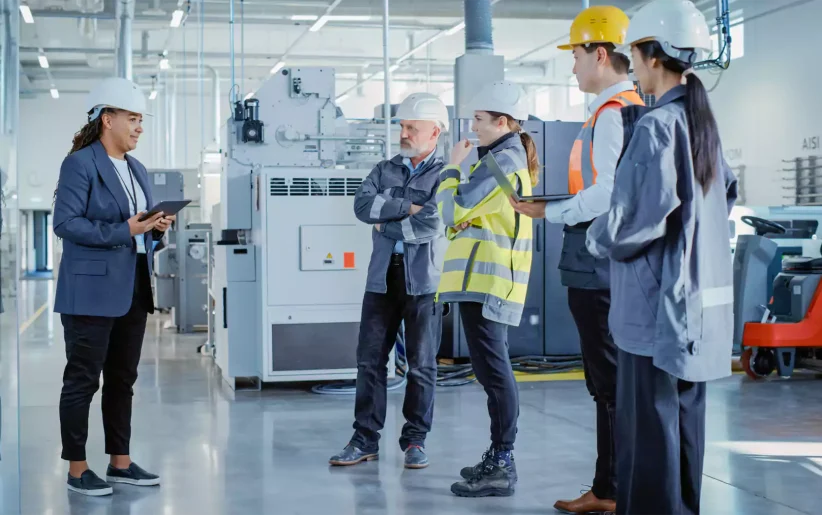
(469, 472)
(415, 457)
(352, 455)
(496, 477)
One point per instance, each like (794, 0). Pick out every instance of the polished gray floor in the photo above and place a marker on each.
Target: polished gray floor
(266, 452)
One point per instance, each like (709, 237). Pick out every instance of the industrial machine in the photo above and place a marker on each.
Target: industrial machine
(290, 258)
(547, 327)
(778, 318)
(180, 260)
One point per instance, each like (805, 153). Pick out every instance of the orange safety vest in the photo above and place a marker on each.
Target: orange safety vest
(581, 172)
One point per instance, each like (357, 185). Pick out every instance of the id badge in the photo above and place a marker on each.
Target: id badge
(141, 244)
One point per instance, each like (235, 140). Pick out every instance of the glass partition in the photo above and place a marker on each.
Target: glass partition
(9, 327)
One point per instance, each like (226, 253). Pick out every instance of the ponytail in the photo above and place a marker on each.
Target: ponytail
(702, 128)
(530, 147)
(531, 154)
(703, 131)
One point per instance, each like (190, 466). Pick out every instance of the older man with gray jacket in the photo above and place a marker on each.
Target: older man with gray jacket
(399, 199)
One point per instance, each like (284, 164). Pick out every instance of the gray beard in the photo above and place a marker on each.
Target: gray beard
(410, 152)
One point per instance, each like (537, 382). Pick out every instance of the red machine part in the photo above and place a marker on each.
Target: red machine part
(807, 333)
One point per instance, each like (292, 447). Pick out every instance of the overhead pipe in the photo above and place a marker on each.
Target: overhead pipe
(386, 80)
(11, 17)
(478, 38)
(124, 13)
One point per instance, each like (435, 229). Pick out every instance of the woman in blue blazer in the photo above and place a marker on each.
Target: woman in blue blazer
(103, 287)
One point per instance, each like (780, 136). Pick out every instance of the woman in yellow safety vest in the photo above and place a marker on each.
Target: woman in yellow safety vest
(487, 266)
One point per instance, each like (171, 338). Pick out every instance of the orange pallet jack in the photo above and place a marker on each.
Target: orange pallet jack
(790, 334)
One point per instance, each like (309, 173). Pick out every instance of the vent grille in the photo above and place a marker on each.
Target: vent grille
(314, 187)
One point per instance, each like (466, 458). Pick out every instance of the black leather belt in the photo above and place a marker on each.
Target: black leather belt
(396, 259)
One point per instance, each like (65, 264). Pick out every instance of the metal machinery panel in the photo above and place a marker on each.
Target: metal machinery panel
(561, 336)
(166, 185)
(547, 327)
(291, 299)
(315, 274)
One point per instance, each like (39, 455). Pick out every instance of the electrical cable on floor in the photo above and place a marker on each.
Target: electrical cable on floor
(457, 375)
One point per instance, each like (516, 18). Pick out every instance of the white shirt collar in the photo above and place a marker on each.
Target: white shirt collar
(607, 93)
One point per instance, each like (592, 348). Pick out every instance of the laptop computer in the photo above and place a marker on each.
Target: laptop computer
(505, 184)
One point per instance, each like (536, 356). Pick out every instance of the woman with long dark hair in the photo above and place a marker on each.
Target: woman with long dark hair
(487, 267)
(671, 271)
(103, 287)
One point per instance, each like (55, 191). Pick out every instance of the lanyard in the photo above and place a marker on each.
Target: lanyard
(132, 194)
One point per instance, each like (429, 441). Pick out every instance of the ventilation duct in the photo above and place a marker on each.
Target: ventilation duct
(478, 38)
(478, 66)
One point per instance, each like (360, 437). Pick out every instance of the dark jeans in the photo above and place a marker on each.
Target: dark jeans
(111, 346)
(599, 360)
(661, 435)
(382, 315)
(488, 345)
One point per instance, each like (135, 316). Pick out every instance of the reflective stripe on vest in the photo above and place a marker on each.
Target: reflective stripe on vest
(581, 172)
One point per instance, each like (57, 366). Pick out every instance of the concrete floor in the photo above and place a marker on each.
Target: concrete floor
(266, 452)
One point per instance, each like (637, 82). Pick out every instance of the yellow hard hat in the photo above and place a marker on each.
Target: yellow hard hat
(598, 24)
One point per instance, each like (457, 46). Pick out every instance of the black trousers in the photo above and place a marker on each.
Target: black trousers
(599, 360)
(111, 346)
(382, 315)
(661, 435)
(488, 345)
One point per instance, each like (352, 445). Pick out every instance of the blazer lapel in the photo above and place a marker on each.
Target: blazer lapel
(106, 170)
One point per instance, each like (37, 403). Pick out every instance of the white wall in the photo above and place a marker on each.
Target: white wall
(768, 101)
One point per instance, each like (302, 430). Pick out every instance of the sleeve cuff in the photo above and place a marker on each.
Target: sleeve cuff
(405, 208)
(451, 172)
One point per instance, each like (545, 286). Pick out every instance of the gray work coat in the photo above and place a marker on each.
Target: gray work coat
(671, 265)
(384, 198)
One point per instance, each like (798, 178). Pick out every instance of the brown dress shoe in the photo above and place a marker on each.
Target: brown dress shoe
(588, 503)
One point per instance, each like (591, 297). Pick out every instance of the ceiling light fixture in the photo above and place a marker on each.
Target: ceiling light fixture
(25, 12)
(176, 18)
(342, 98)
(319, 24)
(44, 62)
(54, 93)
(277, 67)
(164, 64)
(456, 28)
(305, 17)
(153, 94)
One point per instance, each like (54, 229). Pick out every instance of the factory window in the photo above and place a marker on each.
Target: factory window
(737, 39)
(575, 96)
(542, 104)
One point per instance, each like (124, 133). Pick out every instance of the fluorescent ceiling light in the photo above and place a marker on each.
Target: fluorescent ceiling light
(349, 18)
(54, 93)
(176, 18)
(25, 11)
(164, 64)
(250, 94)
(394, 68)
(456, 28)
(277, 67)
(153, 94)
(44, 62)
(305, 17)
(342, 98)
(319, 24)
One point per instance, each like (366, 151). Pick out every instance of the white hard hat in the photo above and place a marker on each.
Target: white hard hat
(423, 106)
(502, 97)
(677, 25)
(118, 93)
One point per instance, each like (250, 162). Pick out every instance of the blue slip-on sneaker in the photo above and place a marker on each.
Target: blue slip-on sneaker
(415, 457)
(89, 483)
(133, 475)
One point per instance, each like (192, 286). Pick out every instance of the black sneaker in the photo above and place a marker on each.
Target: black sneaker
(469, 472)
(89, 483)
(133, 475)
(496, 478)
(415, 457)
(352, 455)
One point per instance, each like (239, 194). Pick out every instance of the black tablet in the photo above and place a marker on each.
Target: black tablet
(168, 207)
